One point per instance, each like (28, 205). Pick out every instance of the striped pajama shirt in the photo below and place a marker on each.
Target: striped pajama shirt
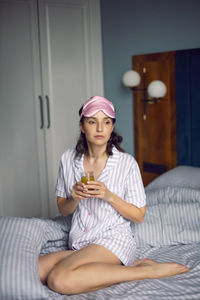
(94, 220)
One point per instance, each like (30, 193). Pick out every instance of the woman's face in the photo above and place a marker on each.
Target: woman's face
(97, 129)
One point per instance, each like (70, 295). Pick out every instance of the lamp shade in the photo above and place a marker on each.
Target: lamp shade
(131, 78)
(156, 89)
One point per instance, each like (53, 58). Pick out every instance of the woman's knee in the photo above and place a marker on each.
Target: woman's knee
(62, 282)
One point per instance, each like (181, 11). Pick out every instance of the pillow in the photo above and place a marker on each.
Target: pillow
(56, 234)
(22, 240)
(183, 176)
(172, 218)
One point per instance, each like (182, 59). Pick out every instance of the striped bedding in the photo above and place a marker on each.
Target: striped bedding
(171, 232)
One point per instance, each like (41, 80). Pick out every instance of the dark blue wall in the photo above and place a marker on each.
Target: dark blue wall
(131, 27)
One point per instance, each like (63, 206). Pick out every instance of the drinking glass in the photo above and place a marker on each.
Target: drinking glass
(89, 176)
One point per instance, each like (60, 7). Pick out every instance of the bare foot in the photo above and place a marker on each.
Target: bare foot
(154, 269)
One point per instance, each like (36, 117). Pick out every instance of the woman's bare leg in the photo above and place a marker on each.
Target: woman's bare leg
(47, 263)
(95, 267)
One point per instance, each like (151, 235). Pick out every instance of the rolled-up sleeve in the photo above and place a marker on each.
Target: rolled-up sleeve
(60, 185)
(134, 188)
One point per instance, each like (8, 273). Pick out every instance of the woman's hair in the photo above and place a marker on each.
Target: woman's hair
(82, 147)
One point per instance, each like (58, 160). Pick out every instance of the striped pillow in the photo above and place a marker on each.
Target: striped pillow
(172, 217)
(20, 244)
(182, 176)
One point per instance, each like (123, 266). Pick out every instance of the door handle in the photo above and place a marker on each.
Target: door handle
(48, 112)
(41, 113)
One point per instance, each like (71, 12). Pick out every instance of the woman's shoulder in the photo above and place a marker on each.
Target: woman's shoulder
(127, 158)
(68, 154)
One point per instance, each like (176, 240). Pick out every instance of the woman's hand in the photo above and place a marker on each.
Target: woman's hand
(97, 189)
(80, 191)
(129, 211)
(67, 206)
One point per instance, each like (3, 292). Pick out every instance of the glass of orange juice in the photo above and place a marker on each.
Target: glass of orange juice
(89, 176)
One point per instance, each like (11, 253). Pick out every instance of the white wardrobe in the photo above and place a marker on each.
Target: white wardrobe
(50, 63)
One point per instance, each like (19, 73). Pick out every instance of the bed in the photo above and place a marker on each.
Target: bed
(170, 232)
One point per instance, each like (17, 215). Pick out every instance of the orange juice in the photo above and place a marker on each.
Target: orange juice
(84, 179)
(88, 177)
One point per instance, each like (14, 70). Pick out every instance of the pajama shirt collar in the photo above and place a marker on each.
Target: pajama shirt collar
(112, 161)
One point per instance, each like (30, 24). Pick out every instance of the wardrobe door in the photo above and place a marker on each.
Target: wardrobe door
(70, 39)
(23, 189)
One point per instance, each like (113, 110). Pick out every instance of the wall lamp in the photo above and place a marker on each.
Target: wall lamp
(155, 91)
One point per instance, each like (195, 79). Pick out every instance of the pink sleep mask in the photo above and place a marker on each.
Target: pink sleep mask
(97, 103)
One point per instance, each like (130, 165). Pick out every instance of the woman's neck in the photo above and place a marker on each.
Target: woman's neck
(96, 153)
(95, 160)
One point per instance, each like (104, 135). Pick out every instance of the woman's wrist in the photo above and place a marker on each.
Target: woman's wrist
(74, 199)
(109, 197)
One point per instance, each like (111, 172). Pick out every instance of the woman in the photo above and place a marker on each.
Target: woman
(102, 245)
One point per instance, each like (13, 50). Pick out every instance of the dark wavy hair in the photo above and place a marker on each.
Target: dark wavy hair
(82, 147)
